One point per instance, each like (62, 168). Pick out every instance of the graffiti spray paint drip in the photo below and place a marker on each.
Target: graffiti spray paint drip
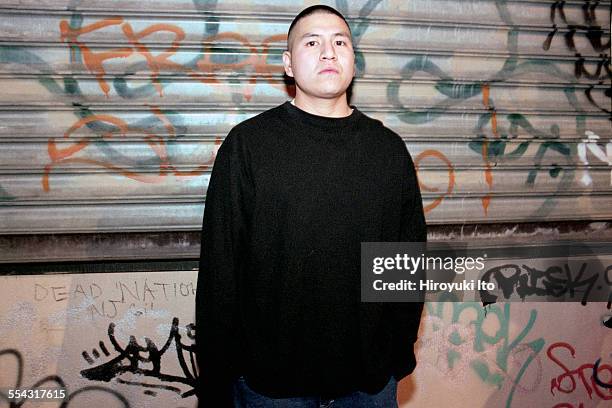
(486, 200)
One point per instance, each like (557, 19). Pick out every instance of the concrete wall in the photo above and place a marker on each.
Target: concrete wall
(76, 329)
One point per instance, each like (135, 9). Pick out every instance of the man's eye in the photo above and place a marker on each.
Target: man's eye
(311, 43)
(340, 42)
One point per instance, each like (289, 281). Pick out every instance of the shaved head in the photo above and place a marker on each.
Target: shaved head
(316, 9)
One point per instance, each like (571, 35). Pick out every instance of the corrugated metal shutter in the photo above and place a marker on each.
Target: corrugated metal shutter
(111, 111)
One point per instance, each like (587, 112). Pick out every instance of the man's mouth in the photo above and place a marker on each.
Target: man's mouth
(329, 71)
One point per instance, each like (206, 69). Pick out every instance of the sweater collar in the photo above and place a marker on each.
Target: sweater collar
(322, 122)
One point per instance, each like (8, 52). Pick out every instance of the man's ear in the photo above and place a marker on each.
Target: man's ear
(287, 63)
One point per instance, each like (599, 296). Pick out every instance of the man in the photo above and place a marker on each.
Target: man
(293, 193)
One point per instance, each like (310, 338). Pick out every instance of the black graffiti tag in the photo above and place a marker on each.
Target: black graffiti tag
(556, 281)
(146, 360)
(94, 392)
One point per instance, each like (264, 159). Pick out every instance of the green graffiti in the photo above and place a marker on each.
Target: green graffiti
(559, 147)
(359, 63)
(517, 121)
(492, 372)
(485, 375)
(421, 63)
(275, 57)
(458, 91)
(541, 66)
(455, 339)
(211, 23)
(496, 148)
(5, 196)
(452, 356)
(21, 55)
(51, 85)
(566, 171)
(496, 152)
(358, 29)
(148, 89)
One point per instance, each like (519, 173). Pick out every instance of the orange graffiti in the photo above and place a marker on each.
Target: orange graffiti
(161, 60)
(157, 144)
(207, 66)
(60, 154)
(424, 187)
(257, 61)
(93, 61)
(264, 68)
(486, 200)
(206, 69)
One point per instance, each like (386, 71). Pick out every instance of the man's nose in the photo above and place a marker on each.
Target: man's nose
(328, 51)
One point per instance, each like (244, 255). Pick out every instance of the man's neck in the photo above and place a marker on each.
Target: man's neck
(331, 108)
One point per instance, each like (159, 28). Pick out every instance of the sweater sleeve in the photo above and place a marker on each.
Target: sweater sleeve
(406, 317)
(218, 325)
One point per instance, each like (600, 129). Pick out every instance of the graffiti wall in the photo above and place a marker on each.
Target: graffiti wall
(112, 111)
(111, 114)
(126, 339)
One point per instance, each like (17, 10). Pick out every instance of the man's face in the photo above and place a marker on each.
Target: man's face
(320, 56)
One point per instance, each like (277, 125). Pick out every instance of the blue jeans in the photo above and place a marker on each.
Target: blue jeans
(245, 397)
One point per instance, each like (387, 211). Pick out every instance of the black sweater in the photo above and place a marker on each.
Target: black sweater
(291, 197)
